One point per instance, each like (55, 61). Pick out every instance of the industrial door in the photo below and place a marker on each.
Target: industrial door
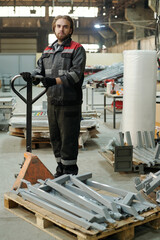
(13, 64)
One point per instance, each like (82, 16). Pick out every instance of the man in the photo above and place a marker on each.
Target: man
(62, 66)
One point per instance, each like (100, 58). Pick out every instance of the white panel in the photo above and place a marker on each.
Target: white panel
(139, 99)
(103, 58)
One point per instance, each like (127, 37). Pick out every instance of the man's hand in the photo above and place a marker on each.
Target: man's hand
(48, 82)
(27, 76)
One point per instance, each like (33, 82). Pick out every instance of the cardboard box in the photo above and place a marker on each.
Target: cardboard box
(157, 112)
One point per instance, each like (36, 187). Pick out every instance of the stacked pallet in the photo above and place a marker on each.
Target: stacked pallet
(40, 129)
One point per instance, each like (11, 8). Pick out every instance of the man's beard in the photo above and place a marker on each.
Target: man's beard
(62, 38)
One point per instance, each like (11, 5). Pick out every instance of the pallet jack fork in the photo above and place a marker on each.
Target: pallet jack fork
(32, 168)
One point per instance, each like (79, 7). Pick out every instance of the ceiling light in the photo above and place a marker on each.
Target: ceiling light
(99, 25)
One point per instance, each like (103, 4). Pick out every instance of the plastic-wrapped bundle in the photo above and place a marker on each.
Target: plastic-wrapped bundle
(139, 100)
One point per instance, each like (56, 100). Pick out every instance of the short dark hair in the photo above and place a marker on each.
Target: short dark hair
(64, 17)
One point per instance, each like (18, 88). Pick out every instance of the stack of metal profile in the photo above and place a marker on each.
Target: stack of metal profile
(113, 71)
(6, 82)
(74, 199)
(145, 151)
(150, 184)
(7, 105)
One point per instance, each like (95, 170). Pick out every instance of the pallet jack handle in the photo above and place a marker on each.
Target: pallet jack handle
(28, 101)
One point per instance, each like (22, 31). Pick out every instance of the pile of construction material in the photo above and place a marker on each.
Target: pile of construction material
(7, 106)
(144, 155)
(150, 185)
(114, 71)
(40, 129)
(80, 200)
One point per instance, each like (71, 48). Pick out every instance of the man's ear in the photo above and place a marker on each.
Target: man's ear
(71, 31)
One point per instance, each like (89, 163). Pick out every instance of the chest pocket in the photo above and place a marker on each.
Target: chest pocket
(47, 60)
(66, 55)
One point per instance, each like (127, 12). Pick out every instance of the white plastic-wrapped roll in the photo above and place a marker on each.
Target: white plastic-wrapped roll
(139, 100)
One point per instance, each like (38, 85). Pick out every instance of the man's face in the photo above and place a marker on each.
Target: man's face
(62, 29)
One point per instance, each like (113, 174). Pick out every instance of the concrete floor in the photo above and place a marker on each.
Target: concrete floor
(89, 160)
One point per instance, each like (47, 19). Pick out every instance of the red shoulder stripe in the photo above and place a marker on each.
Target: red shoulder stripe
(48, 48)
(74, 45)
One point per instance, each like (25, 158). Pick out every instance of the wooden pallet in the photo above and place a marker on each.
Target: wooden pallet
(60, 228)
(40, 137)
(41, 144)
(141, 166)
(109, 156)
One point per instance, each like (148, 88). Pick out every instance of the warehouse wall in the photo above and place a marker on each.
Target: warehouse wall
(24, 45)
(148, 43)
(143, 44)
(18, 45)
(103, 58)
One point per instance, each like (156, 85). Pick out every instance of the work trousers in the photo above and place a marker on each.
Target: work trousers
(64, 126)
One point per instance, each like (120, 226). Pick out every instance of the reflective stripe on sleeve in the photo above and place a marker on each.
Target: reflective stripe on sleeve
(74, 76)
(48, 71)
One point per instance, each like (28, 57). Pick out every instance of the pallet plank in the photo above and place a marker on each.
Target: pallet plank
(155, 224)
(34, 211)
(127, 234)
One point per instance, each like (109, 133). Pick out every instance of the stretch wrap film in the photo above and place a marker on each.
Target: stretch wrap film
(139, 100)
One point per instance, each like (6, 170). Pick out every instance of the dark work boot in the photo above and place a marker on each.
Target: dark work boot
(70, 169)
(59, 170)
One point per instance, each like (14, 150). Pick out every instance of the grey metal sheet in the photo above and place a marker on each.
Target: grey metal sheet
(108, 72)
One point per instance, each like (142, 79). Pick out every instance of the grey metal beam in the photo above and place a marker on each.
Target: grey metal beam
(121, 139)
(149, 187)
(60, 212)
(106, 187)
(146, 139)
(142, 158)
(131, 210)
(151, 136)
(139, 185)
(128, 138)
(139, 140)
(97, 196)
(157, 151)
(118, 191)
(128, 199)
(146, 158)
(124, 204)
(64, 204)
(84, 177)
(145, 152)
(69, 194)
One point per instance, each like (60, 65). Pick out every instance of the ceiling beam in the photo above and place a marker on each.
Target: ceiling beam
(77, 3)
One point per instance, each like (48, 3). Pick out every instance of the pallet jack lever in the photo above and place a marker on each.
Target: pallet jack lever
(31, 168)
(22, 88)
(28, 101)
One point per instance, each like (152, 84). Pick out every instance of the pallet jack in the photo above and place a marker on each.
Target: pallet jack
(31, 168)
